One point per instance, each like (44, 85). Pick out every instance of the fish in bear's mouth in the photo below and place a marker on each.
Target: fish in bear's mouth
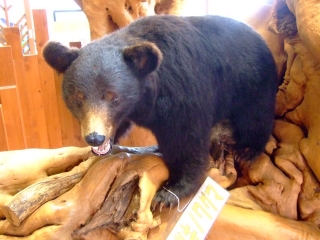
(103, 149)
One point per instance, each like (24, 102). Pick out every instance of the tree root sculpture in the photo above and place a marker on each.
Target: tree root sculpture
(117, 190)
(113, 199)
(109, 15)
(298, 22)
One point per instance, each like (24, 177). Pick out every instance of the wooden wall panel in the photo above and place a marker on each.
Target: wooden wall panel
(47, 81)
(12, 118)
(3, 134)
(29, 90)
(7, 75)
(36, 129)
(12, 36)
(32, 111)
(66, 121)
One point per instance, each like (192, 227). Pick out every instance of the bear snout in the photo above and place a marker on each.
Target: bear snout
(94, 139)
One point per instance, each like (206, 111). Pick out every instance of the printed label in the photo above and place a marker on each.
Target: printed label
(199, 216)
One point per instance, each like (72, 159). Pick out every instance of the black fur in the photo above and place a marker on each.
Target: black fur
(58, 56)
(178, 76)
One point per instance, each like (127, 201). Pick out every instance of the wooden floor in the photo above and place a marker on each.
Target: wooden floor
(32, 113)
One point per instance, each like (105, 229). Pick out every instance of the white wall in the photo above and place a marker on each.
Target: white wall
(67, 26)
(237, 9)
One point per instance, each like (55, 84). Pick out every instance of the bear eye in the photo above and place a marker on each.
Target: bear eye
(78, 99)
(115, 102)
(112, 98)
(78, 103)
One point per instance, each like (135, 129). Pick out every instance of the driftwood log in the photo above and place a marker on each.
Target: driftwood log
(107, 16)
(128, 214)
(63, 216)
(276, 196)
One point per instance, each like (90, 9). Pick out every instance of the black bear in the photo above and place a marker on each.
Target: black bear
(178, 77)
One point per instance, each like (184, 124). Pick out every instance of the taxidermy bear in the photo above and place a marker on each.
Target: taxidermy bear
(178, 77)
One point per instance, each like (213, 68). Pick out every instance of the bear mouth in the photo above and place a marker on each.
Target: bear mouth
(103, 149)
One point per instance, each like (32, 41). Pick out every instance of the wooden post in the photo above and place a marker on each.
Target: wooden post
(6, 9)
(12, 118)
(30, 92)
(7, 75)
(30, 27)
(37, 127)
(3, 133)
(47, 81)
(10, 102)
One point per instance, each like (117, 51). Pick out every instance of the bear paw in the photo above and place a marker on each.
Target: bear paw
(169, 197)
(163, 198)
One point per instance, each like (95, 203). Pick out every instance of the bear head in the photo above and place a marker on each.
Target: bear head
(103, 84)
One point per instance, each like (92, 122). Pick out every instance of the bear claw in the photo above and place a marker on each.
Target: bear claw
(164, 198)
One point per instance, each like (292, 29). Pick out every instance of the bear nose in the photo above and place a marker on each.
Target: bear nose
(94, 139)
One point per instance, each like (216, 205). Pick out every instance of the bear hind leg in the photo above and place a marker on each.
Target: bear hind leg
(251, 133)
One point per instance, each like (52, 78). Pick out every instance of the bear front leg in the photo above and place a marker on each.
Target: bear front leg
(187, 173)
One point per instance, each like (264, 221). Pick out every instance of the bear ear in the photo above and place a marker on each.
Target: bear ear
(144, 57)
(58, 56)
